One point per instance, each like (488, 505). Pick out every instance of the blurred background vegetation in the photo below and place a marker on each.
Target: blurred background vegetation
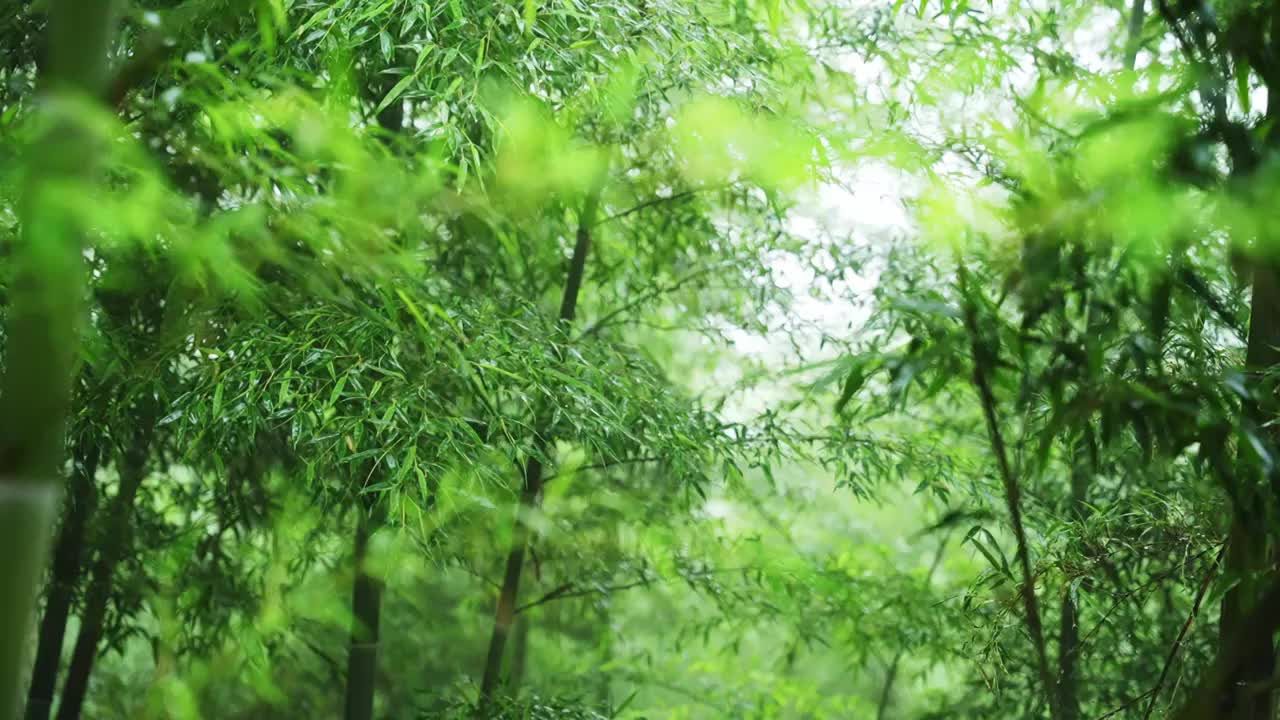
(639, 359)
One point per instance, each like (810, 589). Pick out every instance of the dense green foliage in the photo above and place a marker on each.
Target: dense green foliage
(639, 359)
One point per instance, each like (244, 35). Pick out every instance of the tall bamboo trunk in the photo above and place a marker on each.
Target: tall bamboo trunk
(366, 588)
(119, 540)
(508, 594)
(519, 654)
(1247, 541)
(68, 553)
(1246, 547)
(40, 334)
(504, 614)
(366, 609)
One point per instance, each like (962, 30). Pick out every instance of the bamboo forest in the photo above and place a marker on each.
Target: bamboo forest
(639, 359)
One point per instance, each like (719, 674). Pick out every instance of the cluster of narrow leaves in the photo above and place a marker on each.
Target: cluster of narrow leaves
(388, 395)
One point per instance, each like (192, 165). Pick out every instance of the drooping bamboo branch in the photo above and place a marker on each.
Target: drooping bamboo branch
(983, 365)
(643, 298)
(575, 590)
(1154, 694)
(666, 199)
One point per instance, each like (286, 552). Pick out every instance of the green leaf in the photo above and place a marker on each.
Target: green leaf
(374, 12)
(384, 43)
(395, 92)
(267, 31)
(409, 464)
(853, 382)
(423, 54)
(317, 17)
(530, 15)
(1000, 563)
(336, 392)
(774, 10)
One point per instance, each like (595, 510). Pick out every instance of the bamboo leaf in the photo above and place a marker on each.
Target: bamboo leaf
(396, 91)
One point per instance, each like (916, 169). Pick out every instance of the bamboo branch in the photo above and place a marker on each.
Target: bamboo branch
(676, 284)
(677, 197)
(982, 362)
(1125, 706)
(603, 466)
(1254, 631)
(573, 590)
(1182, 634)
(1129, 594)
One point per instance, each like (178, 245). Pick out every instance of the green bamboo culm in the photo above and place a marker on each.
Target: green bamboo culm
(44, 308)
